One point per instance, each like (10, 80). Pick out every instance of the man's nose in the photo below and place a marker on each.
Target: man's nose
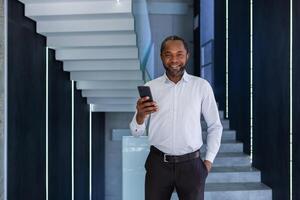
(174, 59)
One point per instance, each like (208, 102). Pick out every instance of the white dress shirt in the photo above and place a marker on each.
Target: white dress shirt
(175, 128)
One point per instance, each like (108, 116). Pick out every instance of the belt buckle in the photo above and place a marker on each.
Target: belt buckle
(165, 157)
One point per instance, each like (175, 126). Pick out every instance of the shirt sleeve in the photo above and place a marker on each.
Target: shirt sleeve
(137, 129)
(214, 127)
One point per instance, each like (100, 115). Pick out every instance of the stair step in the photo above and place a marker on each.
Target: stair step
(46, 27)
(109, 84)
(225, 124)
(233, 175)
(41, 1)
(91, 40)
(110, 93)
(228, 159)
(228, 146)
(113, 108)
(97, 53)
(107, 75)
(234, 191)
(227, 135)
(222, 116)
(69, 9)
(113, 101)
(93, 65)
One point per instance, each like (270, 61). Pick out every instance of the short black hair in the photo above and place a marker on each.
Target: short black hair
(173, 37)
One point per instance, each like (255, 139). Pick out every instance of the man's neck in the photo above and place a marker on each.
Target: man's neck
(174, 79)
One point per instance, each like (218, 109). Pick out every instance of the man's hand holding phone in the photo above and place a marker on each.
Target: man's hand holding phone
(145, 107)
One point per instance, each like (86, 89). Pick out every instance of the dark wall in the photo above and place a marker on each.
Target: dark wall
(239, 70)
(59, 131)
(197, 46)
(26, 107)
(81, 146)
(271, 94)
(98, 135)
(27, 122)
(220, 53)
(296, 100)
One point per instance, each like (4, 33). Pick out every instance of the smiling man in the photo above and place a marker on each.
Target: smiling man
(175, 133)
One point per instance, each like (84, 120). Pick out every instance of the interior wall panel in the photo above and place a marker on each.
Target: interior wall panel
(197, 45)
(239, 70)
(81, 146)
(59, 130)
(219, 70)
(296, 99)
(98, 148)
(271, 94)
(26, 107)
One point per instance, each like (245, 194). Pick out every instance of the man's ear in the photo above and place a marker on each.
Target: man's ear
(187, 56)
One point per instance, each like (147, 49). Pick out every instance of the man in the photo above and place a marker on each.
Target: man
(175, 133)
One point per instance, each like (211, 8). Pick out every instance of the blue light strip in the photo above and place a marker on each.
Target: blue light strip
(5, 99)
(251, 81)
(91, 153)
(227, 44)
(291, 99)
(72, 138)
(47, 124)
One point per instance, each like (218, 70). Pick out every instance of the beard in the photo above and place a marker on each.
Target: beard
(175, 72)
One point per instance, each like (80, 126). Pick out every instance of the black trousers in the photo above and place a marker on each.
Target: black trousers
(188, 178)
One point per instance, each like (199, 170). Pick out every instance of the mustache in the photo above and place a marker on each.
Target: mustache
(181, 66)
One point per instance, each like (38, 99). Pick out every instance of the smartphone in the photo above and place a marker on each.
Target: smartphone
(145, 91)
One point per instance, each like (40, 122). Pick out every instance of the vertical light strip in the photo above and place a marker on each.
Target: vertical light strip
(5, 98)
(47, 124)
(291, 99)
(226, 110)
(251, 81)
(91, 153)
(72, 138)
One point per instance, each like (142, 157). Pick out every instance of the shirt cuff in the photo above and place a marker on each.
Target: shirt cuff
(210, 157)
(137, 127)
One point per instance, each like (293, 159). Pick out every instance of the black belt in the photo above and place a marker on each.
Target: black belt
(174, 159)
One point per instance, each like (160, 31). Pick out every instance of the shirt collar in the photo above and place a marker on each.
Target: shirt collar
(185, 77)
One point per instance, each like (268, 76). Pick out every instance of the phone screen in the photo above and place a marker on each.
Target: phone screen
(145, 91)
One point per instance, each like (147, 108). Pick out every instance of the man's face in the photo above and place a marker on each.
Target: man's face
(174, 57)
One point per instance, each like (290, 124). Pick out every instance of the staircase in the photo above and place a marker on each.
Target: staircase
(97, 43)
(231, 178)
